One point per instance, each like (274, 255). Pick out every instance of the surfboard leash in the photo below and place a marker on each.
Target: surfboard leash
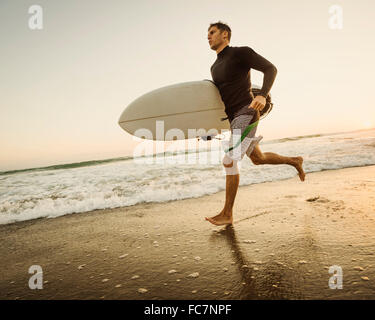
(244, 134)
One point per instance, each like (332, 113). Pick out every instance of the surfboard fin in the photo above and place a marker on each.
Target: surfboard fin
(206, 138)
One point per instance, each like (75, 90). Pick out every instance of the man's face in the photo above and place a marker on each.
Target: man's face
(215, 37)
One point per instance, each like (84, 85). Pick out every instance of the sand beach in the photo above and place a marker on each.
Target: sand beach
(285, 237)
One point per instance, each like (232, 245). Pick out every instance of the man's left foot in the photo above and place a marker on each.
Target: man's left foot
(298, 166)
(221, 219)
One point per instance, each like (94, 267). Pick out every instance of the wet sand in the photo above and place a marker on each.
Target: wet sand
(286, 235)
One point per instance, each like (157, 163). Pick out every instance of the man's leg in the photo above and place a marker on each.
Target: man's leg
(258, 157)
(231, 186)
(231, 158)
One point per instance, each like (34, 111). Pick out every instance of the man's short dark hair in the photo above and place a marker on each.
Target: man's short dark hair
(222, 27)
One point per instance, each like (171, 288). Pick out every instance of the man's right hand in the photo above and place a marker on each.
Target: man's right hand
(258, 103)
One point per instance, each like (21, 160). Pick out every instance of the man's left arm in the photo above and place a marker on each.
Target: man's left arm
(255, 61)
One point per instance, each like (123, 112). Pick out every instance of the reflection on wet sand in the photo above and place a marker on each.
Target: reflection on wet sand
(258, 284)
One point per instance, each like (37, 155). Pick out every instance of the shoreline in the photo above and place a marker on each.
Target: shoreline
(169, 201)
(280, 246)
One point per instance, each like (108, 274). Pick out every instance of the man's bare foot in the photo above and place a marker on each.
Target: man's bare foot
(298, 165)
(221, 219)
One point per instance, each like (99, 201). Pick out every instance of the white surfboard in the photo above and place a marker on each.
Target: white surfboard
(181, 111)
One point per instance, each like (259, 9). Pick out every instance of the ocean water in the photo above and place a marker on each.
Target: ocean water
(66, 189)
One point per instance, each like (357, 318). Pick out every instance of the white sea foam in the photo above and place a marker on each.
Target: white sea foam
(53, 193)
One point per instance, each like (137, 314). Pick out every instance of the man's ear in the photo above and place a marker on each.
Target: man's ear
(225, 34)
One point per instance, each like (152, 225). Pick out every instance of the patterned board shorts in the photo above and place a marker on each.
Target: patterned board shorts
(239, 142)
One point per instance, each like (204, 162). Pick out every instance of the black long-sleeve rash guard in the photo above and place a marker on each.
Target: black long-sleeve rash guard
(231, 74)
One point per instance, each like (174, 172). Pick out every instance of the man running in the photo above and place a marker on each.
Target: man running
(231, 74)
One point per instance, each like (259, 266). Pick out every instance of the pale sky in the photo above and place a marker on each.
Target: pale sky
(64, 87)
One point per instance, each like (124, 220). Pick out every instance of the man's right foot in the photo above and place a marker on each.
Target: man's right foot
(221, 219)
(298, 165)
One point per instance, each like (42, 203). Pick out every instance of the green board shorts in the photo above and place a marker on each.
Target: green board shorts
(240, 144)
